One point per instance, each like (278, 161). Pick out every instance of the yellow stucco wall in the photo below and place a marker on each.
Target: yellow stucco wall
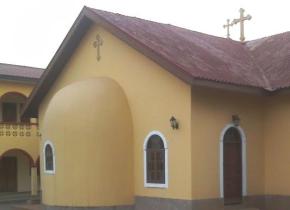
(153, 94)
(211, 112)
(15, 87)
(30, 144)
(277, 144)
(89, 124)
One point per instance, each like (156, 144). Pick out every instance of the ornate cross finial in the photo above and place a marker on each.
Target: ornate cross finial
(241, 21)
(97, 44)
(228, 25)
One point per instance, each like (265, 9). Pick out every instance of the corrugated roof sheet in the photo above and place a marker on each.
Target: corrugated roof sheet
(20, 71)
(261, 63)
(272, 55)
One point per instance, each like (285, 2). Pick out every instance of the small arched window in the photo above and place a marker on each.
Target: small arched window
(155, 161)
(49, 158)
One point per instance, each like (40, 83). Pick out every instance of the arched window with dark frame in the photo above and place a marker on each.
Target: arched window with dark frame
(49, 158)
(156, 161)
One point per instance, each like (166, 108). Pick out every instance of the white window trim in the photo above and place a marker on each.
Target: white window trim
(154, 185)
(244, 159)
(48, 142)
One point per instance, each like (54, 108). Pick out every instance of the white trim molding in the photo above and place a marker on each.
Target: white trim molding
(154, 185)
(48, 142)
(244, 159)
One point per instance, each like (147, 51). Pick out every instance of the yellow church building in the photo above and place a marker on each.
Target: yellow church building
(140, 115)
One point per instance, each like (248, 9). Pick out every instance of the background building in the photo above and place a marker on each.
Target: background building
(19, 139)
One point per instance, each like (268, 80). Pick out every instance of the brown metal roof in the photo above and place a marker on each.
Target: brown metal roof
(272, 55)
(198, 59)
(199, 55)
(19, 72)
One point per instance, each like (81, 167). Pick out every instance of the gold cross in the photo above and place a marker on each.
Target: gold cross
(97, 44)
(228, 27)
(241, 21)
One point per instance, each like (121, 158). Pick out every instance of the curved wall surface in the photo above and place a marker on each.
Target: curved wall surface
(89, 125)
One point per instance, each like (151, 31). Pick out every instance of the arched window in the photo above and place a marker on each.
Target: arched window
(49, 158)
(11, 104)
(155, 161)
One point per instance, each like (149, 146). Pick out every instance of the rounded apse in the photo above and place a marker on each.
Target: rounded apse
(89, 124)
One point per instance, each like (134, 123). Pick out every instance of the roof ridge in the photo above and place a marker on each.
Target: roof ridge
(267, 82)
(268, 37)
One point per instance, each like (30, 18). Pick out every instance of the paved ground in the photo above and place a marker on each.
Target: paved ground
(5, 207)
(11, 206)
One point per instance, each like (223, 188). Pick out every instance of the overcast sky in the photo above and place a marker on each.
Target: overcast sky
(32, 30)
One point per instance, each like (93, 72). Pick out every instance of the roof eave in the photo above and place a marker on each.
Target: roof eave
(229, 87)
(18, 79)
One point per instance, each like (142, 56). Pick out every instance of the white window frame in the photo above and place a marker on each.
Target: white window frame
(155, 185)
(244, 159)
(48, 142)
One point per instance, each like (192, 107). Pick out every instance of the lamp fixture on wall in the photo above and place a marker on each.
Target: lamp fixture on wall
(173, 122)
(236, 120)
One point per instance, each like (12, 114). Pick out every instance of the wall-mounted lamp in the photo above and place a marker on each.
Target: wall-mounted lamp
(173, 122)
(236, 120)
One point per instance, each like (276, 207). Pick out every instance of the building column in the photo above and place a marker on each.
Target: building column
(1, 115)
(18, 113)
(34, 184)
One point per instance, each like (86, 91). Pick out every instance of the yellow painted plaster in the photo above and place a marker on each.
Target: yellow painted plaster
(211, 112)
(277, 141)
(93, 146)
(30, 144)
(153, 94)
(6, 87)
